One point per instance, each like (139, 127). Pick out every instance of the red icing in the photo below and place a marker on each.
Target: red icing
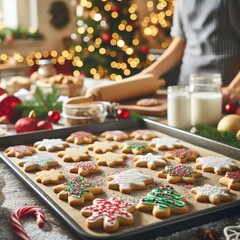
(235, 176)
(20, 148)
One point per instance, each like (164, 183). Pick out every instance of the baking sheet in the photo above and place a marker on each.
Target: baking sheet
(145, 225)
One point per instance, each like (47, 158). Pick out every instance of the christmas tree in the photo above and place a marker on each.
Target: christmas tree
(108, 42)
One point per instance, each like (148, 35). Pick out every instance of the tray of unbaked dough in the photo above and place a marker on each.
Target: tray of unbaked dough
(150, 178)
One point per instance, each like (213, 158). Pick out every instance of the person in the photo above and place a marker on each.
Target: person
(206, 38)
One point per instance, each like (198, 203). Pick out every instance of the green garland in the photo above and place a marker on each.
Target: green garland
(219, 136)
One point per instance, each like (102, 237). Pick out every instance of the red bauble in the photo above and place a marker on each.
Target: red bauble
(26, 124)
(123, 113)
(2, 91)
(230, 108)
(145, 50)
(44, 125)
(53, 116)
(106, 37)
(7, 106)
(115, 9)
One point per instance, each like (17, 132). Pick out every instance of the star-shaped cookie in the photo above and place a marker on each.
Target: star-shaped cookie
(51, 145)
(143, 134)
(102, 147)
(218, 165)
(108, 213)
(212, 194)
(179, 173)
(20, 151)
(110, 159)
(165, 143)
(135, 147)
(81, 137)
(231, 180)
(52, 176)
(84, 168)
(129, 180)
(73, 155)
(149, 160)
(115, 135)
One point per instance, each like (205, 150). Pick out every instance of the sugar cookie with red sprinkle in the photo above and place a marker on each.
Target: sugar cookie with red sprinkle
(108, 214)
(231, 180)
(81, 137)
(20, 151)
(84, 168)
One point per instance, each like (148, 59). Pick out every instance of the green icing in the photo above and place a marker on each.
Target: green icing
(136, 145)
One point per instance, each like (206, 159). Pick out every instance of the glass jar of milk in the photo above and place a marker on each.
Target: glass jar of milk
(178, 107)
(206, 98)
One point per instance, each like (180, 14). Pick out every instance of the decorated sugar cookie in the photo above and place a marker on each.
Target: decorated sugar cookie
(182, 155)
(52, 176)
(20, 151)
(143, 134)
(149, 160)
(108, 214)
(110, 159)
(77, 191)
(102, 147)
(129, 180)
(135, 147)
(163, 201)
(73, 155)
(115, 135)
(231, 180)
(217, 165)
(213, 194)
(38, 162)
(179, 173)
(84, 168)
(51, 145)
(165, 143)
(81, 137)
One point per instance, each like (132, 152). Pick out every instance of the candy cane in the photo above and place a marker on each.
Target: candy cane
(17, 226)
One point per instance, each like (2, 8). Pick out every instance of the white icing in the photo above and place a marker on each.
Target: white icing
(211, 191)
(151, 160)
(50, 143)
(165, 142)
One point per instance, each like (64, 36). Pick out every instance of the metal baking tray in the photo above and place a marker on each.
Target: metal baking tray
(165, 227)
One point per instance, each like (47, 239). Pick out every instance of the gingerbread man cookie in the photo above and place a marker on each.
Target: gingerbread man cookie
(163, 201)
(102, 147)
(38, 162)
(52, 176)
(179, 173)
(73, 155)
(182, 155)
(129, 180)
(20, 151)
(143, 134)
(231, 180)
(135, 147)
(110, 159)
(77, 191)
(165, 143)
(218, 165)
(108, 214)
(84, 168)
(213, 194)
(149, 160)
(81, 137)
(116, 135)
(51, 145)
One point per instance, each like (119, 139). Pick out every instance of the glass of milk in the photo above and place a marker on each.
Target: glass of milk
(178, 107)
(206, 98)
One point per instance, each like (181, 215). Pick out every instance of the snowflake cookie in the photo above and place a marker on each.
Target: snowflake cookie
(231, 180)
(149, 160)
(116, 135)
(38, 162)
(81, 137)
(84, 168)
(165, 143)
(129, 180)
(76, 191)
(102, 147)
(52, 176)
(179, 173)
(110, 159)
(20, 151)
(163, 201)
(213, 194)
(51, 145)
(217, 165)
(73, 155)
(108, 214)
(135, 147)
(143, 134)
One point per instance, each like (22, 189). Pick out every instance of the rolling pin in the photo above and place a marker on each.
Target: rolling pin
(136, 86)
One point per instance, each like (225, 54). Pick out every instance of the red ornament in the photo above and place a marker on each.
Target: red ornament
(230, 108)
(26, 124)
(2, 91)
(106, 37)
(115, 9)
(44, 125)
(123, 113)
(7, 106)
(53, 116)
(145, 50)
